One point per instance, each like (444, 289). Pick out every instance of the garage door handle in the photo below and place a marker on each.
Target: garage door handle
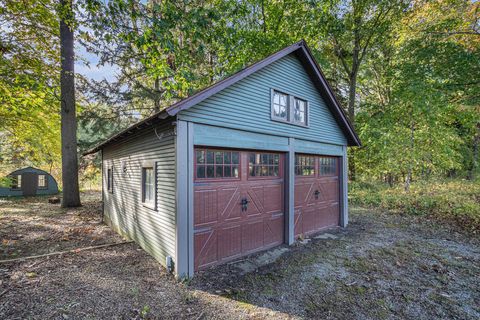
(317, 193)
(244, 204)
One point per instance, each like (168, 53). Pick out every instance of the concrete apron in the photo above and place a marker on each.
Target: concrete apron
(253, 263)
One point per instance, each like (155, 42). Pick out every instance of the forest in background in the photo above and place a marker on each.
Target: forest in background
(406, 72)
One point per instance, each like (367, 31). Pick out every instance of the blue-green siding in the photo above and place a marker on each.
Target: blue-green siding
(52, 187)
(246, 105)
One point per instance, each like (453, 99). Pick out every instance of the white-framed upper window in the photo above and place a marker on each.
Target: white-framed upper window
(289, 108)
(280, 106)
(42, 181)
(148, 186)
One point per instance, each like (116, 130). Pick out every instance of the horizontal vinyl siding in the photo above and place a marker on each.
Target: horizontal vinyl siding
(246, 105)
(153, 230)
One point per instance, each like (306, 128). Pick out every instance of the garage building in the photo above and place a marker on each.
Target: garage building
(252, 162)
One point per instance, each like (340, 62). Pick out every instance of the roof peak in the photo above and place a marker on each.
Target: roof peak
(302, 51)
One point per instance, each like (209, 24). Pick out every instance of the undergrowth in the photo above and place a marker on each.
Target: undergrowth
(451, 201)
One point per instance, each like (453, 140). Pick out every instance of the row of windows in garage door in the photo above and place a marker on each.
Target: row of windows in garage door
(221, 164)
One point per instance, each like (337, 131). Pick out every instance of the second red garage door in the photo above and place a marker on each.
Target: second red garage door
(238, 204)
(316, 193)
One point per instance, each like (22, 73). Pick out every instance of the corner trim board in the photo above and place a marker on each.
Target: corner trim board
(182, 237)
(290, 189)
(191, 157)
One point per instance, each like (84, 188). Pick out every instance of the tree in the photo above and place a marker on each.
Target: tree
(349, 29)
(29, 77)
(71, 195)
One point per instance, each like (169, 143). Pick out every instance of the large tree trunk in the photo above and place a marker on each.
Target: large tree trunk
(157, 95)
(351, 115)
(71, 195)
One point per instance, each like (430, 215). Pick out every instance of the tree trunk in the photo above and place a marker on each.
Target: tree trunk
(474, 167)
(351, 115)
(408, 179)
(157, 95)
(71, 195)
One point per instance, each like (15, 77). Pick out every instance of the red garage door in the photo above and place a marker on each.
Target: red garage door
(238, 204)
(316, 193)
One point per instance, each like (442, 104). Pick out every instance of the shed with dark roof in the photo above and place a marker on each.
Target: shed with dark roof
(29, 182)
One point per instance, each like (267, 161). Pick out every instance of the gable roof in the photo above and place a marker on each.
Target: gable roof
(302, 52)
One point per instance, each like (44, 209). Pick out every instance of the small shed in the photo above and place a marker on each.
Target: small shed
(254, 161)
(29, 182)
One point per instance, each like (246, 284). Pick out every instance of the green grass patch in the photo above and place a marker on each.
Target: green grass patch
(452, 201)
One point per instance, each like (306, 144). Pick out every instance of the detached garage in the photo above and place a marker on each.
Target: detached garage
(252, 162)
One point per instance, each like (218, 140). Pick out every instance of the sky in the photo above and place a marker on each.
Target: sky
(92, 71)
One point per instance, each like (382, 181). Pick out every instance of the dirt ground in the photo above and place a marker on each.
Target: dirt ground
(382, 266)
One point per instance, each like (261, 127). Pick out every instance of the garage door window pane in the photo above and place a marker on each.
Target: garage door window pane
(227, 158)
(210, 157)
(304, 165)
(235, 171)
(235, 157)
(263, 165)
(328, 166)
(210, 172)
(200, 154)
(200, 172)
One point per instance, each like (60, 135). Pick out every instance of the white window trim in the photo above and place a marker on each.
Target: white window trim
(290, 109)
(17, 187)
(44, 180)
(153, 204)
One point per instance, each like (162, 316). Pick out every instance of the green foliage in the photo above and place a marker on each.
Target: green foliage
(5, 182)
(414, 65)
(29, 75)
(456, 201)
(421, 113)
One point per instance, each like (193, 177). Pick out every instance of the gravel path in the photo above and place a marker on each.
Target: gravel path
(381, 267)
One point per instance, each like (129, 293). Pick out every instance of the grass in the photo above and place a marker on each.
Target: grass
(451, 201)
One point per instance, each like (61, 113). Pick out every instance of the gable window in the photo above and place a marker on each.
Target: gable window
(110, 179)
(42, 181)
(280, 106)
(300, 111)
(216, 164)
(17, 181)
(148, 186)
(304, 165)
(263, 165)
(289, 108)
(327, 166)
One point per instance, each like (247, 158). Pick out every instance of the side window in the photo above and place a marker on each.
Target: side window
(110, 179)
(148, 186)
(216, 164)
(17, 181)
(327, 166)
(280, 106)
(304, 165)
(42, 181)
(263, 165)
